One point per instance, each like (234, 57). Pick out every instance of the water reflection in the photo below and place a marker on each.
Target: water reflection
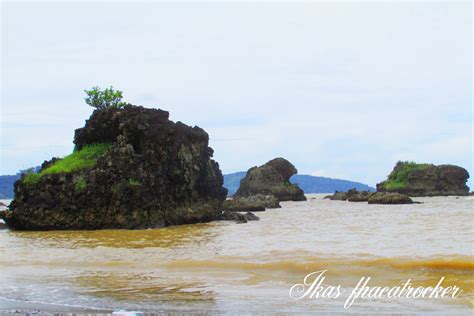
(167, 237)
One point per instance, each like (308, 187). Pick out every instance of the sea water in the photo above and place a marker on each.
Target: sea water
(236, 268)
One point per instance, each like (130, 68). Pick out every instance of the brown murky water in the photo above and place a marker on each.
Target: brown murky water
(228, 267)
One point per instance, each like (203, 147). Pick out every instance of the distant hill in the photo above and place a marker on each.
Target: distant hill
(6, 186)
(309, 184)
(7, 182)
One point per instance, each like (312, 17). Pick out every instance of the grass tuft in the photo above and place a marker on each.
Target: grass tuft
(84, 158)
(133, 182)
(81, 184)
(31, 178)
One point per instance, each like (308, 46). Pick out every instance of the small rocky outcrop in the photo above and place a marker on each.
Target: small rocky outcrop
(238, 217)
(416, 179)
(2, 225)
(371, 197)
(389, 198)
(337, 196)
(241, 205)
(273, 178)
(361, 196)
(351, 195)
(254, 203)
(150, 172)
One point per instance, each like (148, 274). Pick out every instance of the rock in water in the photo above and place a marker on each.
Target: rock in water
(254, 203)
(416, 179)
(238, 217)
(239, 205)
(351, 195)
(389, 198)
(132, 168)
(372, 198)
(273, 178)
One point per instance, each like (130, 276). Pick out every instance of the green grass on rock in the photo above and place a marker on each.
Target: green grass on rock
(399, 179)
(84, 158)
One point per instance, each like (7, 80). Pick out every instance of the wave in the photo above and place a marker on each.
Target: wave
(454, 265)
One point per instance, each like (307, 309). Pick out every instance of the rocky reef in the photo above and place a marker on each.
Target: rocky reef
(371, 197)
(273, 178)
(237, 217)
(389, 198)
(351, 195)
(416, 179)
(131, 168)
(254, 203)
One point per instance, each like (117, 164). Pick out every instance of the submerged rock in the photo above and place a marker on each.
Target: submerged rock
(238, 217)
(426, 180)
(352, 196)
(371, 197)
(273, 178)
(137, 169)
(389, 198)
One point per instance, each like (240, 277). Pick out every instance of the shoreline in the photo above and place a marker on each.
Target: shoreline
(19, 307)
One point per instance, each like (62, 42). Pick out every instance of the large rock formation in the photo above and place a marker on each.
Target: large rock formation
(426, 180)
(273, 178)
(150, 172)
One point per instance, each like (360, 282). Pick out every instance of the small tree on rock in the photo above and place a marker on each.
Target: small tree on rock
(101, 100)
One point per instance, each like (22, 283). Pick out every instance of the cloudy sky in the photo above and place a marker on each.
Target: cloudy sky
(341, 90)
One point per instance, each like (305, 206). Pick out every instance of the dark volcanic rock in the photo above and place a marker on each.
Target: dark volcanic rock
(372, 198)
(238, 217)
(273, 178)
(426, 180)
(156, 173)
(267, 201)
(362, 196)
(254, 203)
(241, 205)
(337, 196)
(389, 198)
(352, 196)
(2, 225)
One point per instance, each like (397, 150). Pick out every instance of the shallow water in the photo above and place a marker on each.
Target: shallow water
(228, 267)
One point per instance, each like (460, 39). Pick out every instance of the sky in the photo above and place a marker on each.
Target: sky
(342, 90)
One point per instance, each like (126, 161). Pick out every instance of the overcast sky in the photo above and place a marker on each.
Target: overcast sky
(341, 90)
